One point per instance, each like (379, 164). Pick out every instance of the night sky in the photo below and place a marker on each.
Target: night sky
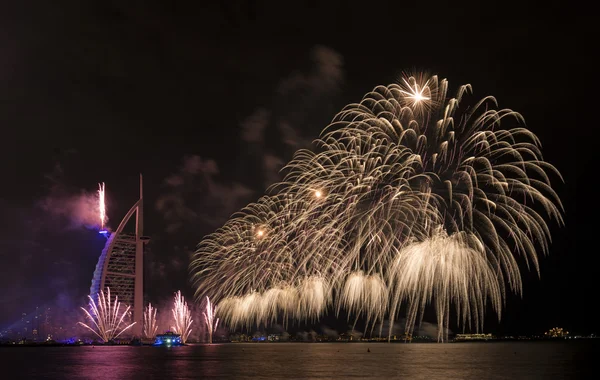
(209, 101)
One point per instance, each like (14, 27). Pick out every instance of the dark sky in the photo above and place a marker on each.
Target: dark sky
(209, 100)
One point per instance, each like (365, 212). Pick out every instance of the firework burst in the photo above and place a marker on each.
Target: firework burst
(209, 318)
(150, 326)
(107, 320)
(101, 205)
(182, 317)
(411, 198)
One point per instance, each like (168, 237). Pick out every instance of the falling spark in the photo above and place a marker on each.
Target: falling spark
(106, 318)
(150, 326)
(432, 201)
(209, 319)
(182, 317)
(101, 205)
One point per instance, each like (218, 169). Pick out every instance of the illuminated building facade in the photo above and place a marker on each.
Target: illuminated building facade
(121, 264)
(460, 337)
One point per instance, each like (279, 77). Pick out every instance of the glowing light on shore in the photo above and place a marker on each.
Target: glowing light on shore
(209, 318)
(182, 317)
(106, 319)
(431, 202)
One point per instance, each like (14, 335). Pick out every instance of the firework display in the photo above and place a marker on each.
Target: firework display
(182, 317)
(411, 199)
(209, 318)
(107, 320)
(150, 325)
(101, 206)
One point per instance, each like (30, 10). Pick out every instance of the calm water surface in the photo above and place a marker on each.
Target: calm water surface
(510, 360)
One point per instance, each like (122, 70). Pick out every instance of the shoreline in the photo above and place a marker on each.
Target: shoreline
(490, 341)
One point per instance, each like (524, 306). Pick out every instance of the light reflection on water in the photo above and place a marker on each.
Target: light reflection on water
(509, 360)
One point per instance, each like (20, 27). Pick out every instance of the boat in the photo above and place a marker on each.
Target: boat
(168, 339)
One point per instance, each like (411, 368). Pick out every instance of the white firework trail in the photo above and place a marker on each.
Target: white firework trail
(209, 318)
(101, 205)
(150, 325)
(182, 317)
(106, 320)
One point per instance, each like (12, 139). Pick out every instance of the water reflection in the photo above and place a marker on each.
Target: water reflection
(303, 360)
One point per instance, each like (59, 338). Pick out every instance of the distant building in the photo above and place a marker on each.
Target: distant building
(422, 338)
(345, 337)
(464, 337)
(556, 332)
(240, 338)
(121, 265)
(326, 338)
(350, 337)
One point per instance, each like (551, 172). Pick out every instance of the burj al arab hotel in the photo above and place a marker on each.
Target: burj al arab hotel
(121, 264)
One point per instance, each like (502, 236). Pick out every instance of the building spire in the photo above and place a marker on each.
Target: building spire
(138, 302)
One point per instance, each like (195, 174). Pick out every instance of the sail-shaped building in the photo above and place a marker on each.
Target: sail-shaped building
(121, 264)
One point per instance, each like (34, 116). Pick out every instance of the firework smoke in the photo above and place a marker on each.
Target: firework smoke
(182, 318)
(209, 318)
(411, 199)
(106, 317)
(150, 325)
